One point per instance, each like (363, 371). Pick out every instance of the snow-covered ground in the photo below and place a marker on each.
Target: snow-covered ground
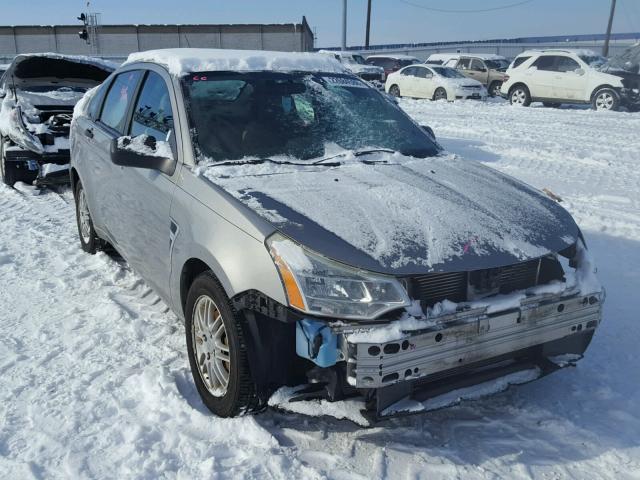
(94, 379)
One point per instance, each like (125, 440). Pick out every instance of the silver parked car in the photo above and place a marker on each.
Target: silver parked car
(310, 233)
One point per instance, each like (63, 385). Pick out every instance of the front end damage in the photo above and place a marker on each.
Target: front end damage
(502, 326)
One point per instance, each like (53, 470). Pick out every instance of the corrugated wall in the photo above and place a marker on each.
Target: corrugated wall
(117, 41)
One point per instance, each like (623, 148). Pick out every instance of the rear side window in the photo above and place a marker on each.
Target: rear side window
(519, 61)
(152, 114)
(545, 63)
(114, 110)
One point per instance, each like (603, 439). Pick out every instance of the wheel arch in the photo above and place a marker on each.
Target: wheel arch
(518, 84)
(191, 269)
(600, 87)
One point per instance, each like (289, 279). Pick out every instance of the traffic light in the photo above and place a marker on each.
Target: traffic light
(83, 18)
(84, 35)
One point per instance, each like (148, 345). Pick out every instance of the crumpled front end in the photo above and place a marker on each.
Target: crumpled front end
(506, 326)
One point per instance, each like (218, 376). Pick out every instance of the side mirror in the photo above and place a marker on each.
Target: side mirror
(579, 71)
(143, 151)
(429, 131)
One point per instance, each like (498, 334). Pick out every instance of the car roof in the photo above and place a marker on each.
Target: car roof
(575, 51)
(181, 61)
(482, 56)
(394, 57)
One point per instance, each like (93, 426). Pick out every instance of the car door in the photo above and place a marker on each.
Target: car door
(478, 71)
(146, 194)
(541, 77)
(423, 82)
(407, 82)
(99, 175)
(570, 79)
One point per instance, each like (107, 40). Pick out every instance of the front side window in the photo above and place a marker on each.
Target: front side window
(409, 71)
(423, 72)
(566, 64)
(152, 114)
(477, 65)
(114, 110)
(464, 63)
(296, 115)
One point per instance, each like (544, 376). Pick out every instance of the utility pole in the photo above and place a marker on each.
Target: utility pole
(344, 25)
(605, 48)
(366, 41)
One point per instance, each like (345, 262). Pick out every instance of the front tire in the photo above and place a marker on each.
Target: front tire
(440, 94)
(494, 88)
(605, 99)
(218, 351)
(394, 91)
(89, 240)
(520, 96)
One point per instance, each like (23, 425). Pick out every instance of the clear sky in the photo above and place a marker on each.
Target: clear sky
(393, 21)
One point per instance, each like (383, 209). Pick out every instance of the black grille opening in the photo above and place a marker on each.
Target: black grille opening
(466, 286)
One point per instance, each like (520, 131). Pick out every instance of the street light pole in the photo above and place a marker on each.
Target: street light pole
(344, 25)
(366, 41)
(605, 48)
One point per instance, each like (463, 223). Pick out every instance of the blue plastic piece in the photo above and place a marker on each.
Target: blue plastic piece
(315, 341)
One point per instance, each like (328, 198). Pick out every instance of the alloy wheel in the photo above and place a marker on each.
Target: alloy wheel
(518, 97)
(211, 346)
(85, 217)
(605, 101)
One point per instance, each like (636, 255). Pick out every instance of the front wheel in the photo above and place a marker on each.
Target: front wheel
(494, 88)
(394, 91)
(217, 350)
(440, 94)
(605, 99)
(520, 96)
(89, 240)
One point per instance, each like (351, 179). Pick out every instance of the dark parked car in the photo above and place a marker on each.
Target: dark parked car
(38, 93)
(392, 63)
(309, 232)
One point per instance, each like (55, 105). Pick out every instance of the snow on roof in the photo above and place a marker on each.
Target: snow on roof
(576, 51)
(394, 56)
(183, 60)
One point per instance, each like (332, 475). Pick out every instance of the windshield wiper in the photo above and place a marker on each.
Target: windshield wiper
(259, 161)
(356, 153)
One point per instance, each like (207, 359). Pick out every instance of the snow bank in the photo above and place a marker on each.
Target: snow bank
(180, 61)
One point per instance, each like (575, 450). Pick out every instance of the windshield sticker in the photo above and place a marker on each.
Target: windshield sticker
(344, 82)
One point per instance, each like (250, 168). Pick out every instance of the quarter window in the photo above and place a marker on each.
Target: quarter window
(114, 110)
(152, 114)
(519, 61)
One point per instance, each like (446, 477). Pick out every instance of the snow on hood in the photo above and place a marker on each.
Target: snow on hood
(359, 68)
(184, 60)
(404, 216)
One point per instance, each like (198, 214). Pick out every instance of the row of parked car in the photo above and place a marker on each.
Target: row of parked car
(291, 214)
(552, 76)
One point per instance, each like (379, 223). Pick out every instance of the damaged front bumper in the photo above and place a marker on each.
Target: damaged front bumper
(460, 350)
(42, 169)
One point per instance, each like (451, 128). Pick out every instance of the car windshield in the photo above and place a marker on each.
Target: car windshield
(300, 115)
(594, 61)
(359, 59)
(448, 72)
(497, 64)
(53, 88)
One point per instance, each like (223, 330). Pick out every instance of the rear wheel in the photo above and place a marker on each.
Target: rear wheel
(218, 351)
(440, 94)
(394, 91)
(605, 99)
(89, 240)
(494, 88)
(519, 96)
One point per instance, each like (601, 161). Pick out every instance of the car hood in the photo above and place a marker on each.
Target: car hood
(461, 82)
(400, 215)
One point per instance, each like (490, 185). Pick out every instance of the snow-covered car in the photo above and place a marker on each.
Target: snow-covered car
(392, 62)
(356, 64)
(38, 93)
(487, 68)
(310, 233)
(434, 82)
(555, 77)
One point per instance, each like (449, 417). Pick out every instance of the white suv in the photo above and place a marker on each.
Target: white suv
(554, 77)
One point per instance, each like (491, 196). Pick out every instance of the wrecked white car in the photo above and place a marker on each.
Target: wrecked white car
(39, 92)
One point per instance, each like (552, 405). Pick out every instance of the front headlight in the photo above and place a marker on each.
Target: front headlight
(319, 286)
